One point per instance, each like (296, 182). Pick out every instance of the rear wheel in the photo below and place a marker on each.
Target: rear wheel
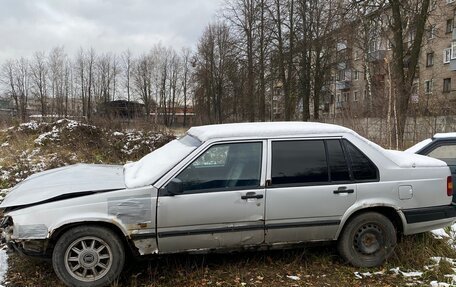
(88, 256)
(367, 240)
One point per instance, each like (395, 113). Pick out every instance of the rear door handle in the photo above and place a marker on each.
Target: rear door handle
(343, 189)
(251, 195)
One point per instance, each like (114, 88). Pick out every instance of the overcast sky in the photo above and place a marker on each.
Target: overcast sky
(27, 26)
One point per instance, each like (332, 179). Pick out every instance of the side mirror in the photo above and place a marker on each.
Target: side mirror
(175, 187)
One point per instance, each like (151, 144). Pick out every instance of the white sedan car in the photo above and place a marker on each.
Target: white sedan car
(229, 187)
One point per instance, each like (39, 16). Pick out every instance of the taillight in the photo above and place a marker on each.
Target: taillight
(450, 186)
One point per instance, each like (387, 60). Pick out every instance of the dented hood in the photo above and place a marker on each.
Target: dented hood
(64, 182)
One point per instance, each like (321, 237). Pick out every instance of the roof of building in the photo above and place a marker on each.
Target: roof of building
(264, 129)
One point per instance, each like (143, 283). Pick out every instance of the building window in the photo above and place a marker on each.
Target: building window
(355, 96)
(341, 46)
(447, 85)
(415, 95)
(453, 50)
(373, 45)
(428, 87)
(446, 55)
(356, 55)
(341, 75)
(355, 75)
(430, 59)
(431, 32)
(345, 96)
(390, 44)
(449, 26)
(410, 38)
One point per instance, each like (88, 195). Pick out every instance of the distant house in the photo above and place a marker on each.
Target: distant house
(122, 109)
(7, 107)
(176, 117)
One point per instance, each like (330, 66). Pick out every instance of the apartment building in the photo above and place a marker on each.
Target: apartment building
(361, 80)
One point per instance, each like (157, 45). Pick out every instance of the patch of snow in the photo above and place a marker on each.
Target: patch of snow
(439, 284)
(265, 129)
(358, 275)
(406, 160)
(444, 135)
(440, 233)
(32, 125)
(418, 146)
(397, 271)
(412, 274)
(5, 144)
(361, 275)
(149, 169)
(116, 134)
(292, 277)
(3, 264)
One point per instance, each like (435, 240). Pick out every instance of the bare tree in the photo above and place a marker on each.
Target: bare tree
(39, 74)
(127, 65)
(405, 60)
(186, 54)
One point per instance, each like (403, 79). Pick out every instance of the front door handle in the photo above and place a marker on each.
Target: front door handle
(343, 189)
(251, 195)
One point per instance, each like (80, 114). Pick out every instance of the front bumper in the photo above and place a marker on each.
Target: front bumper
(35, 248)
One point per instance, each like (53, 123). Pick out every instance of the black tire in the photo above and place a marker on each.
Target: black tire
(367, 240)
(97, 250)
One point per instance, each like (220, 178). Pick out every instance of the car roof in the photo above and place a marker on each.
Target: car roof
(265, 130)
(444, 135)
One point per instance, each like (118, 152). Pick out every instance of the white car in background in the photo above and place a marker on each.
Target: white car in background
(229, 187)
(441, 146)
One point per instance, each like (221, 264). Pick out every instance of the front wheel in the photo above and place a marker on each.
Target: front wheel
(367, 240)
(88, 256)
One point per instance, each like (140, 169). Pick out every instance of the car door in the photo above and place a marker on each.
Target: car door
(309, 189)
(221, 204)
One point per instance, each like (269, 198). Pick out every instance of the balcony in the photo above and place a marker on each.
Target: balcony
(378, 55)
(341, 105)
(343, 85)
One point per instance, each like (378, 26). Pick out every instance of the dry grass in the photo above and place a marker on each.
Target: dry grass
(315, 266)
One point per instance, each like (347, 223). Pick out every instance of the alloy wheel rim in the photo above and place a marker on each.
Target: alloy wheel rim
(88, 259)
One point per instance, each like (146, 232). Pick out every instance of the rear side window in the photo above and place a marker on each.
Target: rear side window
(337, 162)
(362, 167)
(299, 162)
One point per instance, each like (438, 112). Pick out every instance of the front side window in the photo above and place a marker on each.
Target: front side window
(224, 167)
(299, 162)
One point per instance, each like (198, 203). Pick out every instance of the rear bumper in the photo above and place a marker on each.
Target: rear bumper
(433, 213)
(426, 219)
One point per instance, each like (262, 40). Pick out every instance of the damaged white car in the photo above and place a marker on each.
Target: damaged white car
(229, 187)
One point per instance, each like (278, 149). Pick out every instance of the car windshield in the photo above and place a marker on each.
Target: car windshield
(151, 167)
